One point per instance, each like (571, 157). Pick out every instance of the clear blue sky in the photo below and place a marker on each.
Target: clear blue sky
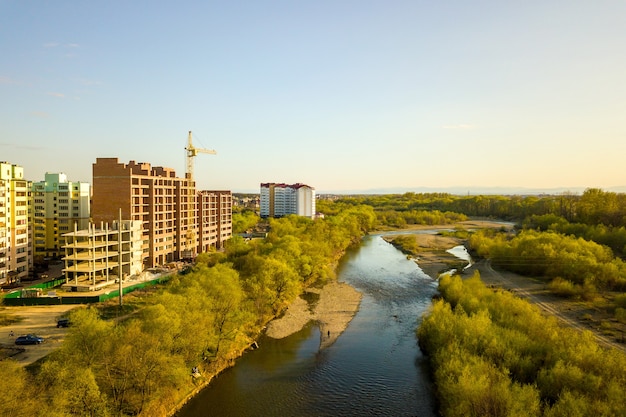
(340, 95)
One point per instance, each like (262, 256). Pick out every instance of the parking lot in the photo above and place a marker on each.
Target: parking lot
(39, 320)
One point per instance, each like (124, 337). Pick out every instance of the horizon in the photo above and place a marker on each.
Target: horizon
(462, 191)
(340, 95)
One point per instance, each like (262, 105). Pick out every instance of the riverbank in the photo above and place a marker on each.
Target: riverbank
(430, 250)
(337, 304)
(334, 305)
(432, 258)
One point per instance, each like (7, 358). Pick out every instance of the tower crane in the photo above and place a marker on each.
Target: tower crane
(189, 235)
(192, 151)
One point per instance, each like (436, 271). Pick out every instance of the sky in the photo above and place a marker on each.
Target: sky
(341, 95)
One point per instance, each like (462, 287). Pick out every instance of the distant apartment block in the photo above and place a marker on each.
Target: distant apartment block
(176, 221)
(97, 256)
(59, 206)
(278, 200)
(15, 255)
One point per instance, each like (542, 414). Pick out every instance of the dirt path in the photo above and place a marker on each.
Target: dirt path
(569, 312)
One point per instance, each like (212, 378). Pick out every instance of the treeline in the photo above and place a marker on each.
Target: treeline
(592, 207)
(141, 365)
(402, 219)
(586, 265)
(612, 236)
(392, 217)
(493, 354)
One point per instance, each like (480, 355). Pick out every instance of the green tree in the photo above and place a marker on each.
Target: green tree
(84, 341)
(138, 369)
(19, 394)
(70, 390)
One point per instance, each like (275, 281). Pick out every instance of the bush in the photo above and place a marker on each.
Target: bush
(562, 288)
(620, 301)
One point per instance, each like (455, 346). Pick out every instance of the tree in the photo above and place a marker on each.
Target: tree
(83, 343)
(19, 393)
(70, 390)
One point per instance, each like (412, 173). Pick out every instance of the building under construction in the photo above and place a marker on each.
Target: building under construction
(177, 221)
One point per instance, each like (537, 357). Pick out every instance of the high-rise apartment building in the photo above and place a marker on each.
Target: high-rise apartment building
(167, 207)
(279, 200)
(15, 254)
(59, 206)
(215, 219)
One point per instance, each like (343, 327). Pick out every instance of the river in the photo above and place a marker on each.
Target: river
(375, 368)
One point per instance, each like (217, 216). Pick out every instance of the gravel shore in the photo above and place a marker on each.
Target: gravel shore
(337, 304)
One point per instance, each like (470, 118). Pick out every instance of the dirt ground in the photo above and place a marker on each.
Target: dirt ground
(40, 320)
(337, 304)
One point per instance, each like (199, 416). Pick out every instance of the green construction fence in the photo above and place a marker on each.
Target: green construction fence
(14, 298)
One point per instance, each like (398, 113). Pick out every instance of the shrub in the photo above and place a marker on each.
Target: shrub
(562, 288)
(620, 301)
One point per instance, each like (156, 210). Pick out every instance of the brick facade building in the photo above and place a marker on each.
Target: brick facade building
(177, 222)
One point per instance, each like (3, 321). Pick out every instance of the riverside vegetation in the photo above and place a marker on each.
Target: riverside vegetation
(493, 354)
(140, 363)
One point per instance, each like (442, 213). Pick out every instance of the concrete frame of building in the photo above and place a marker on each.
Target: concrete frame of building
(94, 256)
(215, 219)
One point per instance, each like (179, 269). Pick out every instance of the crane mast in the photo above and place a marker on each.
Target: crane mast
(192, 152)
(189, 235)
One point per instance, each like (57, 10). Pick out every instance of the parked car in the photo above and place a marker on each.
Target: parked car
(63, 323)
(29, 339)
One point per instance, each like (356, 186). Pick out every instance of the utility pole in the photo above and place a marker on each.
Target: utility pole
(119, 256)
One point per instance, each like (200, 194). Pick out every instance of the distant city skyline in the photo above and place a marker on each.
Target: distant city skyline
(346, 96)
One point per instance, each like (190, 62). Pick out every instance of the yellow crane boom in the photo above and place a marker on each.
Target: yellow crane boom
(192, 151)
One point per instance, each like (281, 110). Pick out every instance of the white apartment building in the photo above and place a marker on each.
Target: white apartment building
(278, 199)
(15, 255)
(59, 206)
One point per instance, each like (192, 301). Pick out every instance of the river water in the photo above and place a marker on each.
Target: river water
(375, 368)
